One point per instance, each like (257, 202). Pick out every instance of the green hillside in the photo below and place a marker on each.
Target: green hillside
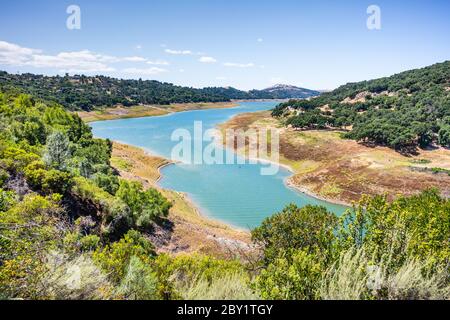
(87, 93)
(404, 111)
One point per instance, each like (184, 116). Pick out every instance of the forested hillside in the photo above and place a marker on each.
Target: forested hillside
(70, 228)
(87, 93)
(405, 111)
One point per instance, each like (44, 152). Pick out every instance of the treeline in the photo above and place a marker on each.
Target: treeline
(70, 228)
(404, 111)
(81, 92)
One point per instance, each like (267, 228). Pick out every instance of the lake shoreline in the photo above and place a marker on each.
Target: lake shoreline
(288, 181)
(290, 184)
(186, 196)
(193, 231)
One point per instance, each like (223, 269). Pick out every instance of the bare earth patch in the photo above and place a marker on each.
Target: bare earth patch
(342, 170)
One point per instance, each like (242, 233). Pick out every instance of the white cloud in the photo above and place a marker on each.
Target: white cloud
(158, 62)
(207, 60)
(134, 59)
(79, 61)
(239, 65)
(260, 40)
(12, 54)
(72, 62)
(138, 47)
(181, 70)
(144, 72)
(178, 52)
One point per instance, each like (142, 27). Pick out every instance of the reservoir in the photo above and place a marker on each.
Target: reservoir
(236, 194)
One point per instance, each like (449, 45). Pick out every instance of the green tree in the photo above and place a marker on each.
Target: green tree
(309, 228)
(140, 282)
(146, 206)
(7, 199)
(57, 150)
(414, 227)
(444, 136)
(114, 259)
(294, 278)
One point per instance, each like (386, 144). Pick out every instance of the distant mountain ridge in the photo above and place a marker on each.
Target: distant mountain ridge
(81, 92)
(284, 91)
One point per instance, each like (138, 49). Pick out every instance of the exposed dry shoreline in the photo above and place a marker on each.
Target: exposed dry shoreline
(148, 110)
(288, 182)
(340, 171)
(308, 192)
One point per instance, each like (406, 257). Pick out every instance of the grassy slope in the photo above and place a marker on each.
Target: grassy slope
(342, 170)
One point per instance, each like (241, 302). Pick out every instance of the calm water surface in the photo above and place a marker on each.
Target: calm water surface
(236, 194)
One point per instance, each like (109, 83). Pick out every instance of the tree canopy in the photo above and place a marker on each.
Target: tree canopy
(405, 111)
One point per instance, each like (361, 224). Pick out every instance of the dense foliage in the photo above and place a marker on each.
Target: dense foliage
(404, 111)
(86, 93)
(378, 250)
(59, 193)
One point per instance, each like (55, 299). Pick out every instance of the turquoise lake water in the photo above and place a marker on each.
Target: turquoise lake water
(236, 194)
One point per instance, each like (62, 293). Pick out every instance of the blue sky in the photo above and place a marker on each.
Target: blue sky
(243, 43)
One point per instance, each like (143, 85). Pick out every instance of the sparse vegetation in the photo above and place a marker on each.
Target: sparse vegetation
(440, 170)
